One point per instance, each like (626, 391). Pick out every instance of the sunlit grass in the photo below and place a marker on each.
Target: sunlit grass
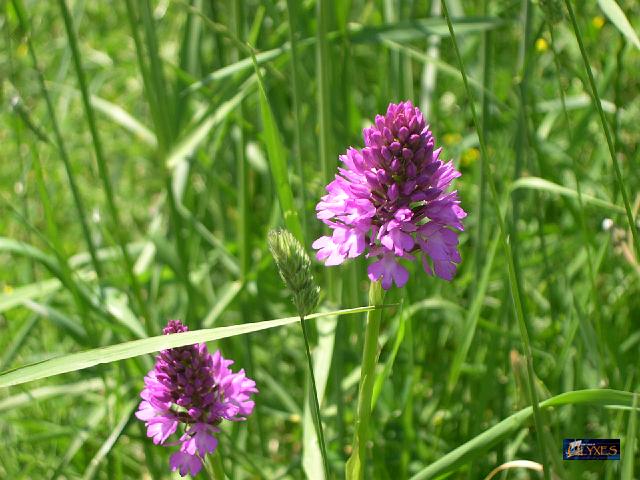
(146, 155)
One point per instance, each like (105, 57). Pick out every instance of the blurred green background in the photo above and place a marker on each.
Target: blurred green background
(151, 198)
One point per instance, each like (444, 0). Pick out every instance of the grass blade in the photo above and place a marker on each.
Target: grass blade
(26, 399)
(89, 358)
(17, 296)
(118, 227)
(605, 127)
(185, 147)
(118, 115)
(629, 458)
(473, 315)
(614, 13)
(278, 161)
(227, 295)
(123, 118)
(540, 184)
(511, 269)
(77, 199)
(292, 15)
(108, 444)
(510, 425)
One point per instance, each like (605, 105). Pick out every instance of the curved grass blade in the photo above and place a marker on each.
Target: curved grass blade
(51, 263)
(117, 305)
(123, 118)
(44, 393)
(227, 295)
(509, 426)
(185, 147)
(117, 114)
(61, 320)
(17, 296)
(89, 358)
(18, 340)
(356, 33)
(527, 464)
(614, 13)
(17, 247)
(537, 183)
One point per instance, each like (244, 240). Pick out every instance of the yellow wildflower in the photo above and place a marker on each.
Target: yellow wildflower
(542, 45)
(598, 21)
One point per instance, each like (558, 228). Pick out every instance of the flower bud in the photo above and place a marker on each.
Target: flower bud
(294, 266)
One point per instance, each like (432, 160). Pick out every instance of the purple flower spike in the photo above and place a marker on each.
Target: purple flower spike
(390, 200)
(194, 389)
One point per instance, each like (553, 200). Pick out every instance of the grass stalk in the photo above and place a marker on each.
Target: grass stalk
(102, 164)
(512, 275)
(487, 49)
(244, 215)
(146, 80)
(629, 457)
(595, 292)
(605, 128)
(53, 236)
(156, 75)
(75, 192)
(292, 13)
(524, 70)
(324, 97)
(156, 93)
(241, 161)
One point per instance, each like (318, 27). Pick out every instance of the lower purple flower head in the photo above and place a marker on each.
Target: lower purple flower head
(193, 389)
(390, 199)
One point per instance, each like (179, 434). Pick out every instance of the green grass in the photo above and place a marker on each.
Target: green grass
(149, 147)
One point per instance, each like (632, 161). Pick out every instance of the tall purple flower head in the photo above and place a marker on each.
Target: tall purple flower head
(194, 390)
(390, 199)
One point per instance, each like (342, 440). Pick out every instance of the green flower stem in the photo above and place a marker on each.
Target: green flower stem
(315, 401)
(216, 466)
(355, 463)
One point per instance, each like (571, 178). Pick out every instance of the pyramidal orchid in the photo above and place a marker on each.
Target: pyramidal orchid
(194, 391)
(390, 199)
